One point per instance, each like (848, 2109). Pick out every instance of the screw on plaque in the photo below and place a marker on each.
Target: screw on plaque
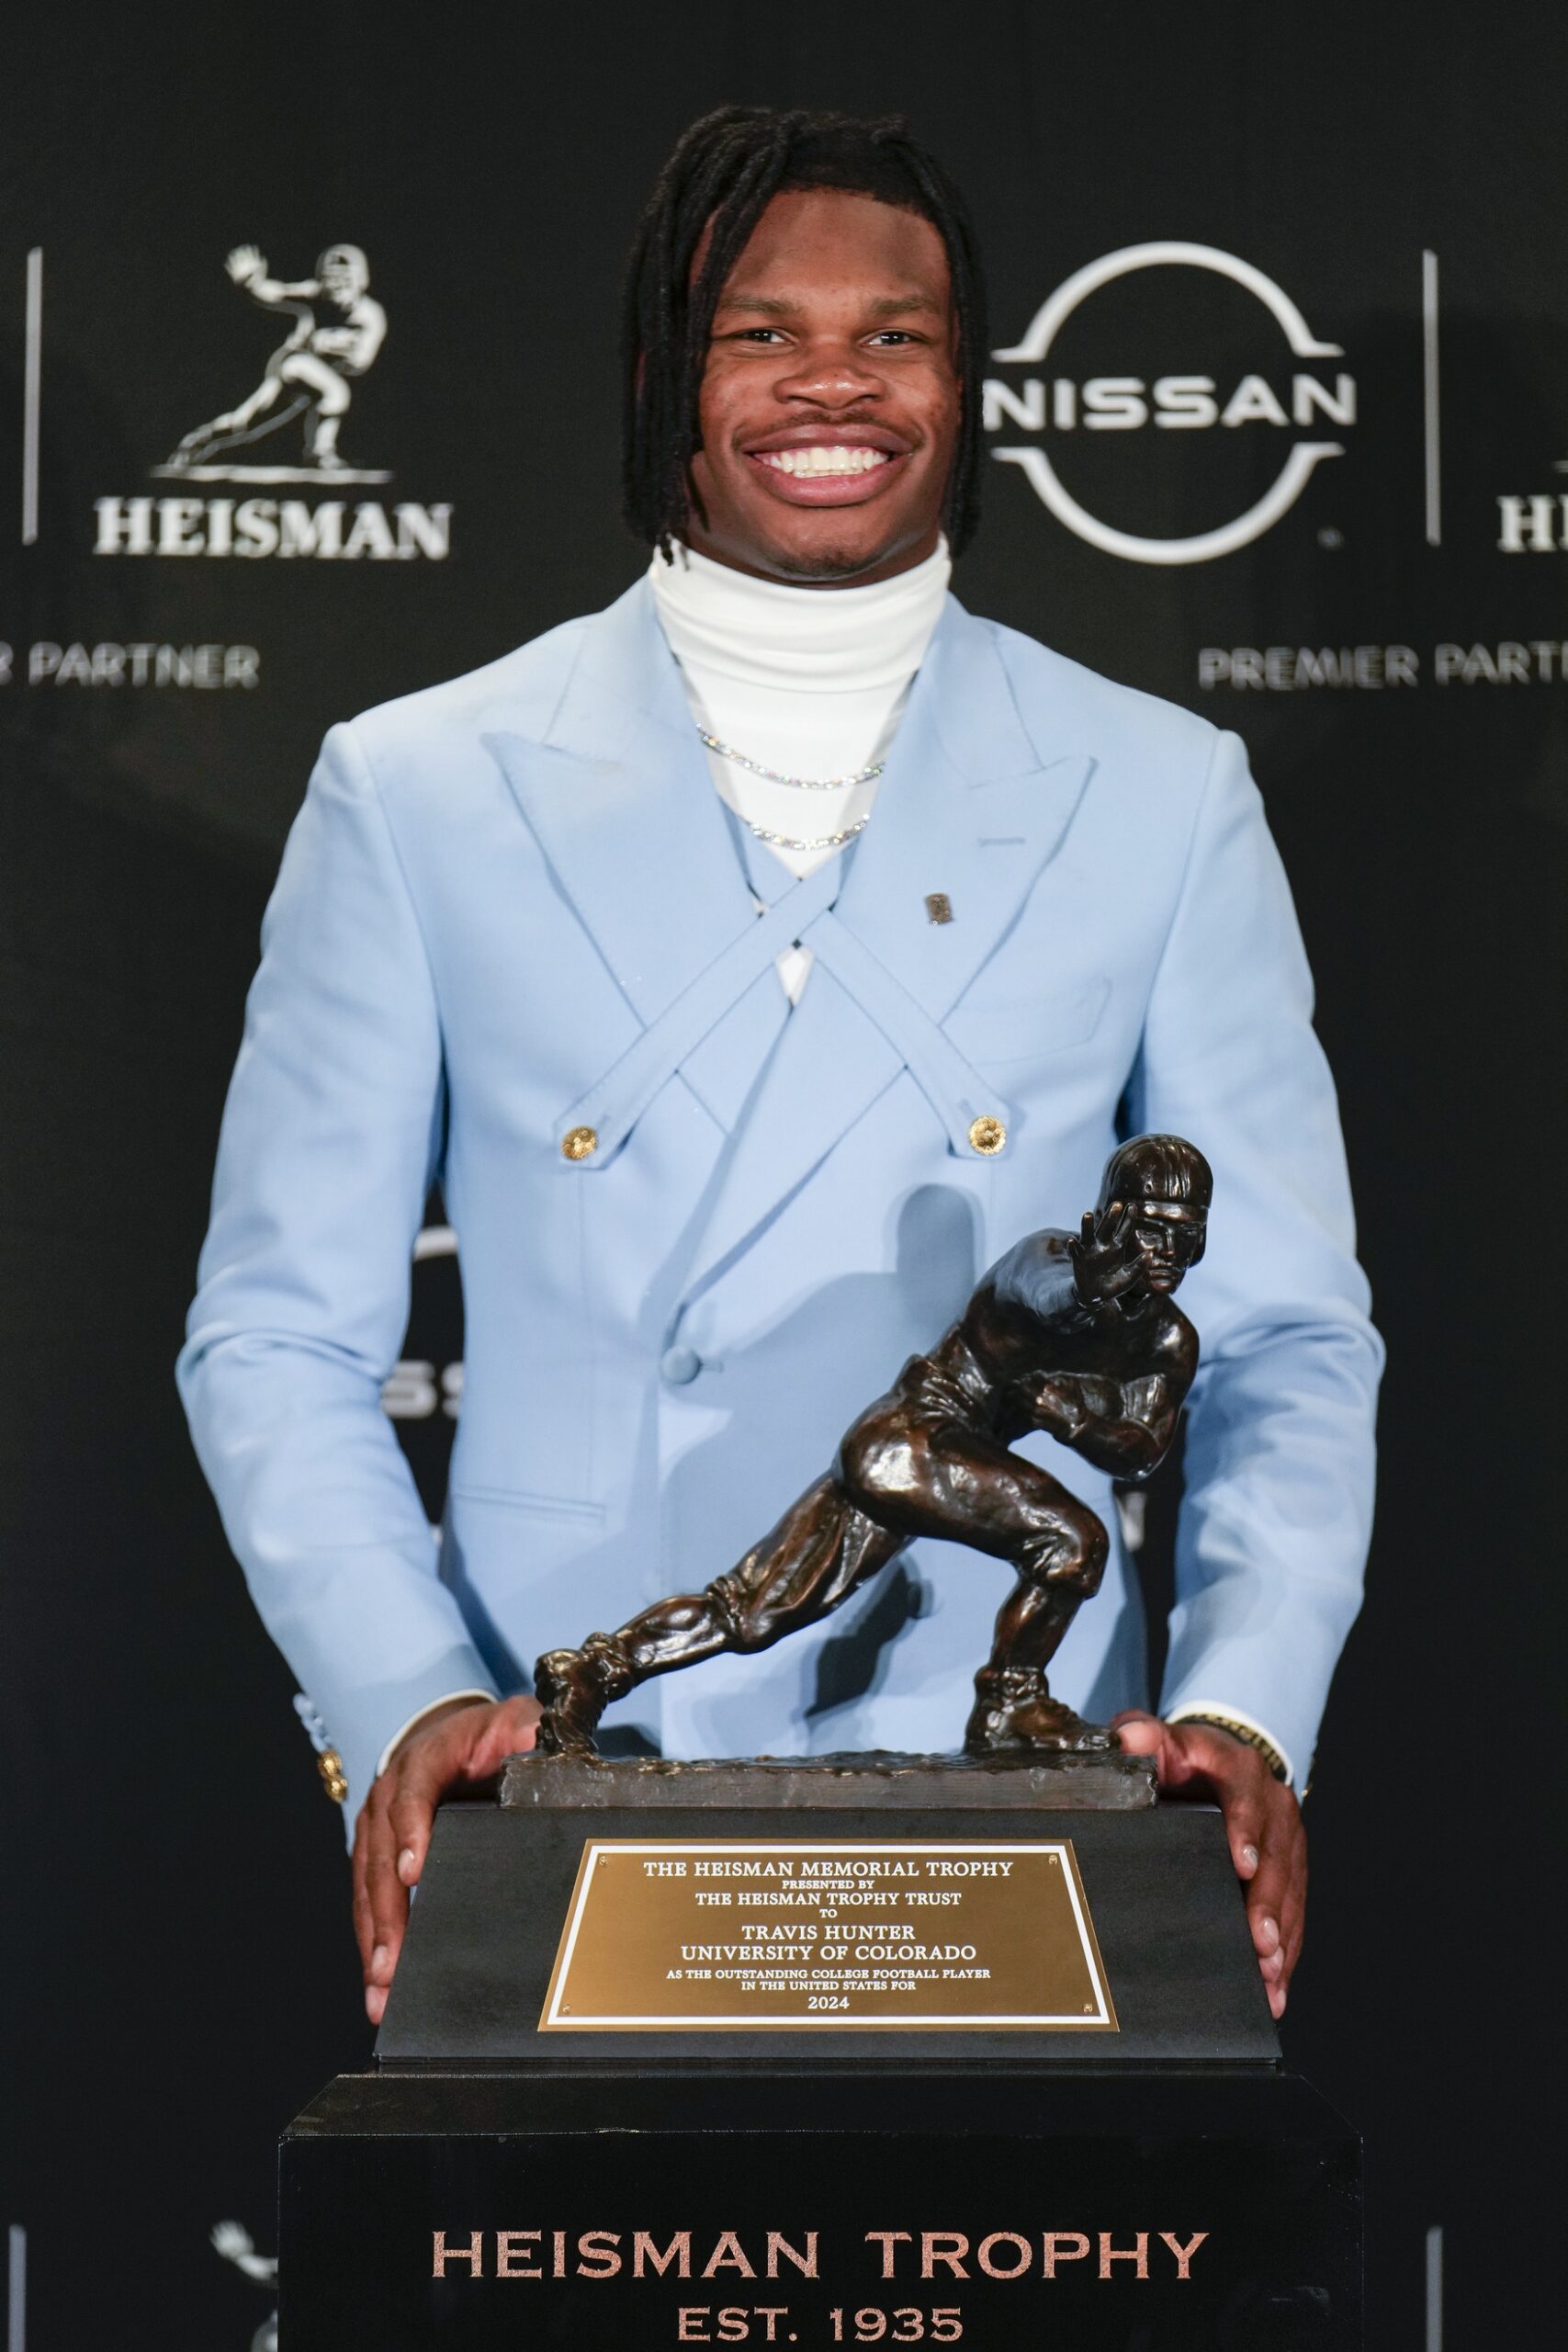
(939, 906)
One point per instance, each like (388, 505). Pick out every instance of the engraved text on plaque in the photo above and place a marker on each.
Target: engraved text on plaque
(714, 1934)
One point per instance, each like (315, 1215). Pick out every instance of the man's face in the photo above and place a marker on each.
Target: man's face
(829, 409)
(1170, 1236)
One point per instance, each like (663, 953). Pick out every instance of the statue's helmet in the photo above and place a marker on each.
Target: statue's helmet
(1157, 1167)
(343, 266)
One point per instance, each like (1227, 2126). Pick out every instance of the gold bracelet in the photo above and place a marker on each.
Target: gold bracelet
(1247, 1737)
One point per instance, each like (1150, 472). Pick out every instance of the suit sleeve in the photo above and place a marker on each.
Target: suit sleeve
(1273, 1531)
(330, 1138)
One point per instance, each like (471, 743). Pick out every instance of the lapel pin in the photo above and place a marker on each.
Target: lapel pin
(939, 906)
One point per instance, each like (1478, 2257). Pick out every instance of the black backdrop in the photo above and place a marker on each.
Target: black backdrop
(179, 1971)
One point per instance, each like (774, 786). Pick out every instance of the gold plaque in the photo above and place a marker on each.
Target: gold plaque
(718, 1935)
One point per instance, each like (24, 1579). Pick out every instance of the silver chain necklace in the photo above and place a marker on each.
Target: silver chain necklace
(796, 782)
(823, 841)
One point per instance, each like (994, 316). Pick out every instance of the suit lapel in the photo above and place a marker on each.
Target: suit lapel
(976, 811)
(618, 795)
(969, 806)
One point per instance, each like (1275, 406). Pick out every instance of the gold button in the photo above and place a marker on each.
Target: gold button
(987, 1135)
(580, 1143)
(329, 1764)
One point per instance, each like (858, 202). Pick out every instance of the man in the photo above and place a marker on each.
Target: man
(314, 364)
(1072, 1334)
(729, 1121)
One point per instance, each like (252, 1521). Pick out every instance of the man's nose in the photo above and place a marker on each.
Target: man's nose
(834, 374)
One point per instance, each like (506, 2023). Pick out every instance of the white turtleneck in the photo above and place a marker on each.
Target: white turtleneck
(809, 681)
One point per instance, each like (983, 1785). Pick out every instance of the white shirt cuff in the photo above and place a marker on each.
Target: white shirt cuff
(1229, 1712)
(418, 1717)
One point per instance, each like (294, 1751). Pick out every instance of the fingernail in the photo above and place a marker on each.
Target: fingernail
(1276, 2001)
(405, 1864)
(379, 1960)
(375, 2002)
(1270, 1931)
(1249, 1856)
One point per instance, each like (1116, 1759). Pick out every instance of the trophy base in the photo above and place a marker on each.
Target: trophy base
(1184, 2209)
(1151, 1965)
(870, 1780)
(797, 2055)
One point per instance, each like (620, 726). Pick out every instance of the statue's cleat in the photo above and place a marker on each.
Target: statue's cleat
(1014, 1714)
(573, 1688)
(568, 1692)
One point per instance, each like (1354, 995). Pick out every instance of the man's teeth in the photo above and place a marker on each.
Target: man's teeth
(824, 462)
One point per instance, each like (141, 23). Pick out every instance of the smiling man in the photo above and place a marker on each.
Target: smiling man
(798, 480)
(753, 964)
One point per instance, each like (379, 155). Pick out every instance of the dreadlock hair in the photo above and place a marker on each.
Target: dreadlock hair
(722, 171)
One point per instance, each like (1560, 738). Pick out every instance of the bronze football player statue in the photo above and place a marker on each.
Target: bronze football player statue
(1075, 1334)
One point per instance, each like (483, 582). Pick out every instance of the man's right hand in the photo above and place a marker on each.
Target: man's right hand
(447, 1749)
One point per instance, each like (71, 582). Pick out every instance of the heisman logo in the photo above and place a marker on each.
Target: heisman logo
(1126, 404)
(285, 431)
(312, 371)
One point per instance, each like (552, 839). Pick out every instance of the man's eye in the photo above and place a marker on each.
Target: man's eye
(895, 334)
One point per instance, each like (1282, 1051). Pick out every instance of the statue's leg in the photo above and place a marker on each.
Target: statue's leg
(925, 1472)
(821, 1549)
(1059, 1563)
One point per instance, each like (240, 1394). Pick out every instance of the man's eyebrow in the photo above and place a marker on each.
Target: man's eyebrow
(771, 306)
(888, 306)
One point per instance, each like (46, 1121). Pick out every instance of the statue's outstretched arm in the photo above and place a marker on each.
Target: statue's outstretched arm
(247, 266)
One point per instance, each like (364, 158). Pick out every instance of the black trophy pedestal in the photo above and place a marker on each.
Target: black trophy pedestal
(1159, 2183)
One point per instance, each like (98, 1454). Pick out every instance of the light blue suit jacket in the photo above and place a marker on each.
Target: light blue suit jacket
(513, 904)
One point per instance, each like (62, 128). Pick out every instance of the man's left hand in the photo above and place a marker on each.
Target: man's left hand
(1263, 1822)
(453, 1745)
